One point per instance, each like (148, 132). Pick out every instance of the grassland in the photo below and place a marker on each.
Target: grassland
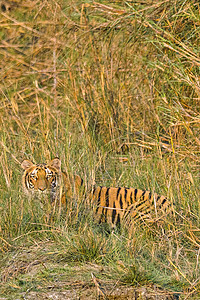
(112, 88)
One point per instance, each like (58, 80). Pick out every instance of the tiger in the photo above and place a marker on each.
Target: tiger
(48, 178)
(115, 205)
(112, 205)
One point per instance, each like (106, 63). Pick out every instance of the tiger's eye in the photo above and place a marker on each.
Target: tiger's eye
(33, 176)
(49, 176)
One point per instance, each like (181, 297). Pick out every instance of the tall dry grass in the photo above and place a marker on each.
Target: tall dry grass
(113, 90)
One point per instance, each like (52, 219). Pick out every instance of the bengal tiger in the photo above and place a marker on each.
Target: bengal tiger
(118, 204)
(47, 178)
(110, 204)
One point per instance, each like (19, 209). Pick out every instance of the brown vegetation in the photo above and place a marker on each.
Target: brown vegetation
(112, 88)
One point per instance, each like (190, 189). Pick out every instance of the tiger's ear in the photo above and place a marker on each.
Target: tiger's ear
(26, 164)
(56, 163)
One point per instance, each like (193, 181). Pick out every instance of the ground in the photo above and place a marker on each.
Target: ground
(37, 273)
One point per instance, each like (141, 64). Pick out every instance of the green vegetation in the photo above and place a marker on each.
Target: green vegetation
(112, 88)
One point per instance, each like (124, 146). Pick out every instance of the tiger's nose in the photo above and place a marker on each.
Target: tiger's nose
(42, 188)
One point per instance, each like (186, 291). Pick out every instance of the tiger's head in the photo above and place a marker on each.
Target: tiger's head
(41, 177)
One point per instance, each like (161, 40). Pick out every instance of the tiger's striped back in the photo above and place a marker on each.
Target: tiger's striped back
(117, 204)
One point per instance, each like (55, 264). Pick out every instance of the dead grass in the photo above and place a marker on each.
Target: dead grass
(112, 88)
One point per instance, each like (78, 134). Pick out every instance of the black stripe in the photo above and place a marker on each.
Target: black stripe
(157, 199)
(113, 214)
(121, 202)
(135, 194)
(118, 191)
(143, 200)
(107, 204)
(131, 197)
(125, 193)
(100, 219)
(118, 220)
(143, 194)
(105, 214)
(107, 197)
(163, 202)
(99, 199)
(81, 181)
(93, 191)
